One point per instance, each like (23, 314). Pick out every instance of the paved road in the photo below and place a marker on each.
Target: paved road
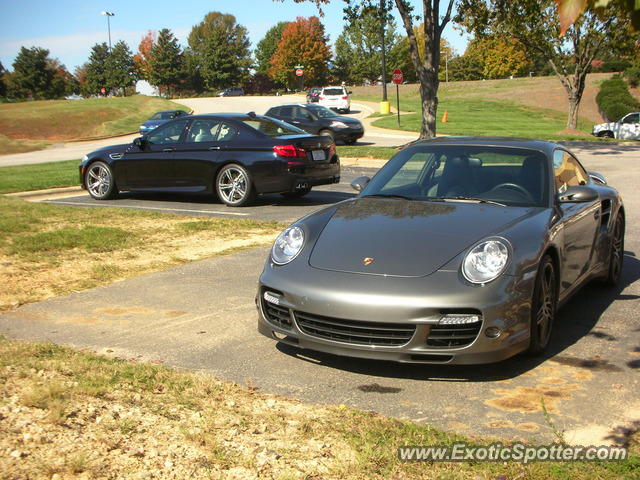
(75, 150)
(202, 316)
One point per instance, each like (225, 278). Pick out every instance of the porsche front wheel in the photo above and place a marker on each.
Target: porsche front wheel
(543, 306)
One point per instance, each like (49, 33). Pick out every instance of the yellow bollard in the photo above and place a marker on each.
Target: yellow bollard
(445, 117)
(385, 108)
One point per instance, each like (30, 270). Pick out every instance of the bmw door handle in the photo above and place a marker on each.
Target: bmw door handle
(215, 147)
(168, 150)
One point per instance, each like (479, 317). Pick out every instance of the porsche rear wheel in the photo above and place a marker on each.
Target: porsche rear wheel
(543, 306)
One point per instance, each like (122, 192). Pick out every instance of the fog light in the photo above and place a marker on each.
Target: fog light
(271, 298)
(493, 332)
(459, 319)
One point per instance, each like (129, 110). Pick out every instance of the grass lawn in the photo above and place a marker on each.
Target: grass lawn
(473, 116)
(81, 415)
(48, 250)
(23, 178)
(364, 151)
(28, 126)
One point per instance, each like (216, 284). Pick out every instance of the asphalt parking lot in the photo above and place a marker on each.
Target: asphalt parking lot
(202, 316)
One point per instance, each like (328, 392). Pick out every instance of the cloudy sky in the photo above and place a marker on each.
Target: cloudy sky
(69, 28)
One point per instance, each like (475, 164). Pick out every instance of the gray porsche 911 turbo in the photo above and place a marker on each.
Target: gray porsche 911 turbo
(458, 251)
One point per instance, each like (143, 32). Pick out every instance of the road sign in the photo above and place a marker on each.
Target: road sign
(299, 72)
(397, 76)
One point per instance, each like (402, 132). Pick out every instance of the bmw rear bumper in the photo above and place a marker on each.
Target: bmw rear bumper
(321, 310)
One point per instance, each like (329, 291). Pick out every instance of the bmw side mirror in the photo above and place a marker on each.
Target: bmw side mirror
(140, 142)
(578, 194)
(359, 183)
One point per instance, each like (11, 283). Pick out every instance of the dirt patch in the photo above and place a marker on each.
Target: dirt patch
(529, 399)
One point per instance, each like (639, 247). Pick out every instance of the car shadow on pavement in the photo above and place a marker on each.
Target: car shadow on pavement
(574, 321)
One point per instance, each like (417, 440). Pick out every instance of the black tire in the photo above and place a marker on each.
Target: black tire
(297, 194)
(328, 133)
(348, 110)
(607, 135)
(616, 253)
(543, 306)
(234, 186)
(98, 178)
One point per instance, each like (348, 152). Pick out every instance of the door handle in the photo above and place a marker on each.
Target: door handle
(168, 150)
(215, 147)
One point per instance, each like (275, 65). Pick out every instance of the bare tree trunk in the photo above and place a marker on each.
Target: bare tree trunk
(429, 98)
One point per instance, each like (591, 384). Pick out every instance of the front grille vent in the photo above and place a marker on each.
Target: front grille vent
(446, 336)
(276, 314)
(354, 332)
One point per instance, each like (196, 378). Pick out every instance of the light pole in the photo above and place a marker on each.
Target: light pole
(108, 15)
(383, 14)
(446, 65)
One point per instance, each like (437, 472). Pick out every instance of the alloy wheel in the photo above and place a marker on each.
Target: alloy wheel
(99, 180)
(232, 185)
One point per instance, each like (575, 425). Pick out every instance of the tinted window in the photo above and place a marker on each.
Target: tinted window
(567, 171)
(322, 112)
(633, 118)
(203, 130)
(273, 111)
(226, 133)
(168, 133)
(333, 91)
(286, 112)
(512, 176)
(272, 128)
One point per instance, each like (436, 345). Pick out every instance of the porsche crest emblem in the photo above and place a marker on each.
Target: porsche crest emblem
(367, 261)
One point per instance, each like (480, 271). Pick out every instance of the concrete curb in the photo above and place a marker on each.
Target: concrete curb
(47, 192)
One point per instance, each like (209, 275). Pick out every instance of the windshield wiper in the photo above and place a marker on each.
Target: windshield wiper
(387, 195)
(473, 199)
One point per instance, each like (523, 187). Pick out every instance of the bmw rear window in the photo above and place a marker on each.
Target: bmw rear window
(272, 128)
(333, 91)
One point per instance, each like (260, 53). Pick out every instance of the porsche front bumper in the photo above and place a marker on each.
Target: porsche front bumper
(395, 318)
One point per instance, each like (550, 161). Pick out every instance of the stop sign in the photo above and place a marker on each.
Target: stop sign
(397, 76)
(299, 72)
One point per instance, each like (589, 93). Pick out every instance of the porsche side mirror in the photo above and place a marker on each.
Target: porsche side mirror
(578, 194)
(140, 142)
(597, 177)
(359, 183)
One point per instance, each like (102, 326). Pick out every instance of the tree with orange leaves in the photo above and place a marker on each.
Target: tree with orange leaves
(303, 43)
(142, 59)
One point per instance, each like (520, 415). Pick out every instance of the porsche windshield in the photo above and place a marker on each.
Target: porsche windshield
(508, 176)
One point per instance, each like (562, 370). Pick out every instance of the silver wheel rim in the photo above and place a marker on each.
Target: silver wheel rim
(98, 180)
(616, 251)
(546, 304)
(232, 185)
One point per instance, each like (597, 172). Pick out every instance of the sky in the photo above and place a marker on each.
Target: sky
(69, 28)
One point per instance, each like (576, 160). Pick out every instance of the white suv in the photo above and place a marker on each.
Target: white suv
(626, 128)
(336, 98)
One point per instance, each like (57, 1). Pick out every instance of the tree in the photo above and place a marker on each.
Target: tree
(95, 71)
(3, 85)
(220, 49)
(143, 57)
(533, 23)
(120, 67)
(165, 61)
(62, 82)
(303, 43)
(570, 10)
(268, 46)
(499, 56)
(359, 48)
(32, 73)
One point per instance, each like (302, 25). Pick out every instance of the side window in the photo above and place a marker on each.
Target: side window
(301, 114)
(286, 112)
(632, 118)
(411, 172)
(274, 111)
(205, 130)
(226, 132)
(567, 171)
(167, 134)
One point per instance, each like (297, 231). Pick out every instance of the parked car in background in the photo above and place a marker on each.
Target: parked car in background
(313, 94)
(319, 120)
(235, 156)
(231, 92)
(160, 118)
(458, 251)
(336, 98)
(627, 128)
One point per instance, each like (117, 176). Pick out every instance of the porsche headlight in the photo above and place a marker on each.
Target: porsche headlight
(288, 245)
(487, 260)
(85, 158)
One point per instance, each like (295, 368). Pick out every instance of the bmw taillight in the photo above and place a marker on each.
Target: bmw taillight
(344, 97)
(332, 150)
(321, 97)
(290, 151)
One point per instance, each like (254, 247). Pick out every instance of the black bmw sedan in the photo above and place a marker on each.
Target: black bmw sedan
(236, 156)
(319, 120)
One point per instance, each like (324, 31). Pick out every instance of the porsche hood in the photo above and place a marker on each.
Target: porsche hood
(405, 238)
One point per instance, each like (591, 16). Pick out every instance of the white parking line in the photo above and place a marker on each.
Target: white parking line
(149, 208)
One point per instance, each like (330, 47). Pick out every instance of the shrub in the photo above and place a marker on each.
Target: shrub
(633, 76)
(614, 99)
